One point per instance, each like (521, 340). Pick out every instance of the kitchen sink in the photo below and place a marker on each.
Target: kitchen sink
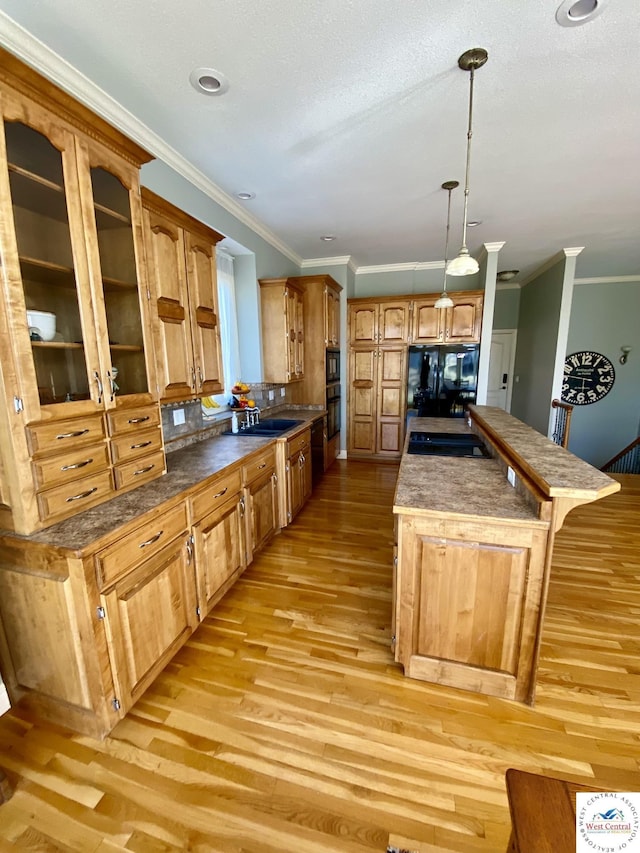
(446, 444)
(267, 427)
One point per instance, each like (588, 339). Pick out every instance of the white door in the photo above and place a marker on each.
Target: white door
(501, 361)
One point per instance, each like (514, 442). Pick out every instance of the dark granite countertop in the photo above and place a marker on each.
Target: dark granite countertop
(478, 486)
(556, 471)
(187, 468)
(461, 486)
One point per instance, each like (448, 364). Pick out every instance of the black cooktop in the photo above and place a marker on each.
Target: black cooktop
(446, 444)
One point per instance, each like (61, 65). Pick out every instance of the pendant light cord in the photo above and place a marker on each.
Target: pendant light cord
(466, 177)
(446, 241)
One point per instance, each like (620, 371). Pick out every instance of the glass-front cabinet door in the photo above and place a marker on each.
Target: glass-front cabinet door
(113, 221)
(44, 260)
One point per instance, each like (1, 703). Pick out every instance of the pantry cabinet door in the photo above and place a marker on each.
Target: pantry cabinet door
(363, 373)
(393, 324)
(391, 400)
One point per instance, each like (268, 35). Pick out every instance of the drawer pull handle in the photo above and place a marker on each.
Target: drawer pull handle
(143, 470)
(142, 444)
(260, 467)
(72, 434)
(223, 492)
(138, 420)
(76, 465)
(152, 540)
(82, 495)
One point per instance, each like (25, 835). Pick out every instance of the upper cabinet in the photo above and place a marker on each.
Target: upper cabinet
(76, 333)
(283, 335)
(332, 313)
(379, 322)
(183, 282)
(461, 323)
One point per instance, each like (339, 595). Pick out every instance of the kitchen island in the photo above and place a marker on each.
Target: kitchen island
(474, 545)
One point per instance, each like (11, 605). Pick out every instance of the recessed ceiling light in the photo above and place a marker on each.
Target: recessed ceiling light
(327, 238)
(208, 81)
(245, 196)
(474, 223)
(573, 13)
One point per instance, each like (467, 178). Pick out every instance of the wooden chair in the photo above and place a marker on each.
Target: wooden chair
(562, 424)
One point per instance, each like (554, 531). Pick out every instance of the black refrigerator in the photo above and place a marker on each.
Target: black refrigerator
(442, 380)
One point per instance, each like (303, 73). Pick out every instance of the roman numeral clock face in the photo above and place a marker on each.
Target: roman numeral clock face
(588, 377)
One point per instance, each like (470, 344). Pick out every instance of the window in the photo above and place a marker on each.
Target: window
(228, 327)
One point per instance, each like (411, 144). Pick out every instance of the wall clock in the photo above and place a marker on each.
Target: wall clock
(588, 377)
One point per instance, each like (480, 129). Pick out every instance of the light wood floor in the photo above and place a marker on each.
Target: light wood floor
(284, 725)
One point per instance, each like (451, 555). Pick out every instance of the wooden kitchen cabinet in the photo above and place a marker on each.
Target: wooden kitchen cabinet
(460, 324)
(321, 383)
(71, 248)
(283, 330)
(183, 282)
(467, 595)
(148, 614)
(373, 321)
(218, 513)
(295, 474)
(262, 511)
(377, 401)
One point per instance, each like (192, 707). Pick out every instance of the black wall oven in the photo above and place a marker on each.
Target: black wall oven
(333, 365)
(333, 409)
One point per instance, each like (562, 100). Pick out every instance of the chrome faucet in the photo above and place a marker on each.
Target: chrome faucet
(252, 417)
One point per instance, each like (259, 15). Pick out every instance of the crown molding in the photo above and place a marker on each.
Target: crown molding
(493, 247)
(508, 285)
(408, 267)
(562, 255)
(609, 279)
(36, 54)
(337, 261)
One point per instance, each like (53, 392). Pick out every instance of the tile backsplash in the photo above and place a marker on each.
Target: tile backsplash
(184, 423)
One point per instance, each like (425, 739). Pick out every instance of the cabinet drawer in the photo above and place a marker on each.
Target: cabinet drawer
(138, 546)
(130, 420)
(69, 466)
(299, 442)
(70, 498)
(56, 436)
(258, 464)
(138, 471)
(216, 494)
(132, 446)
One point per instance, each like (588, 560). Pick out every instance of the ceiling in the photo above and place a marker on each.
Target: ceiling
(345, 117)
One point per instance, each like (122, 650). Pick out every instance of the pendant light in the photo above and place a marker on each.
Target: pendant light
(446, 301)
(464, 264)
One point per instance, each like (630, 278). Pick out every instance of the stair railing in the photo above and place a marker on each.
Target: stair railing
(562, 423)
(625, 462)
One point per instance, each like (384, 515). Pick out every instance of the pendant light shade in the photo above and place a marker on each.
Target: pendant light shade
(464, 264)
(445, 301)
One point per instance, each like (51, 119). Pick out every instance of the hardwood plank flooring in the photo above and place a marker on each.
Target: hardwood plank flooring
(285, 725)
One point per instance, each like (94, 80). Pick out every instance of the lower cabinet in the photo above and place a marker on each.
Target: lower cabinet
(261, 500)
(84, 630)
(218, 539)
(295, 465)
(467, 603)
(148, 615)
(377, 401)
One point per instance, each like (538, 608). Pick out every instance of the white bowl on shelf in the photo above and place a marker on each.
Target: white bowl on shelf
(42, 323)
